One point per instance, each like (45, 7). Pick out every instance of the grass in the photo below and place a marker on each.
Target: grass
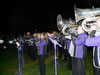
(9, 64)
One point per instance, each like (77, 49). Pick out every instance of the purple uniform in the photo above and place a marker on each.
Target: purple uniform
(79, 43)
(68, 43)
(95, 41)
(41, 46)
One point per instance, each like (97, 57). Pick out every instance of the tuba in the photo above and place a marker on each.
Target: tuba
(89, 17)
(66, 26)
(88, 22)
(62, 22)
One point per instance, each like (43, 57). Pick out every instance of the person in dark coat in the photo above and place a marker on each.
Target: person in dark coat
(69, 59)
(78, 61)
(94, 41)
(41, 53)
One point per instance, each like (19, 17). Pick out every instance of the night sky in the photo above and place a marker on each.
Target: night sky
(18, 16)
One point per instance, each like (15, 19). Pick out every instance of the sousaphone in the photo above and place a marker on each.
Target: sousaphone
(88, 15)
(65, 25)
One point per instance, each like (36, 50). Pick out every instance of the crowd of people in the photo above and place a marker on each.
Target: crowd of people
(41, 45)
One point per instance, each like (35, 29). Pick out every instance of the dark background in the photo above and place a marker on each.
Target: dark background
(18, 16)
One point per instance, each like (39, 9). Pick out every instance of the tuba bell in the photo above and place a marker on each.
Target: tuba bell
(88, 22)
(89, 17)
(65, 25)
(62, 22)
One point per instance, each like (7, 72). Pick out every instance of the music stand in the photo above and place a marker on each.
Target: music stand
(20, 47)
(55, 44)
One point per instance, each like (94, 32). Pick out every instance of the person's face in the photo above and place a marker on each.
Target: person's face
(96, 26)
(98, 22)
(93, 27)
(28, 33)
(39, 35)
(80, 30)
(42, 36)
(34, 34)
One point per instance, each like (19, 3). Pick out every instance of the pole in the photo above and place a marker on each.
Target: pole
(19, 57)
(55, 61)
(19, 62)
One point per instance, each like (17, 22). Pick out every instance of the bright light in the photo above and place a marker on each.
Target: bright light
(1, 41)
